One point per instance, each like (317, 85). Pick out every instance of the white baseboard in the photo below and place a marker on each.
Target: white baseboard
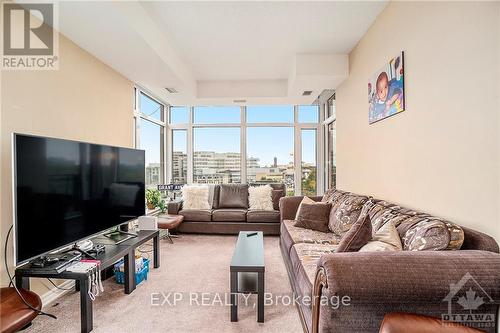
(53, 294)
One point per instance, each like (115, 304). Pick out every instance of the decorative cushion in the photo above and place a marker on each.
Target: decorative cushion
(304, 200)
(233, 196)
(345, 212)
(385, 239)
(332, 196)
(357, 236)
(195, 197)
(276, 196)
(380, 215)
(427, 235)
(260, 197)
(314, 216)
(423, 232)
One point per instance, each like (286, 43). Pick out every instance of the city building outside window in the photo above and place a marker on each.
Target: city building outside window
(229, 144)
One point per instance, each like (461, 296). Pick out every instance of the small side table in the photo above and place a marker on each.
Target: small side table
(169, 222)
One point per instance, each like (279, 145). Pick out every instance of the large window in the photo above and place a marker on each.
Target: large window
(309, 167)
(179, 156)
(270, 157)
(229, 144)
(216, 155)
(330, 144)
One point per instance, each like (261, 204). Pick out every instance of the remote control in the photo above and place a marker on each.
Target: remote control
(252, 234)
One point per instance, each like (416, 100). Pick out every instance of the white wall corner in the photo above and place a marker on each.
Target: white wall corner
(317, 72)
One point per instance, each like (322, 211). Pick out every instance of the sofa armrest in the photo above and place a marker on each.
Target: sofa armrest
(290, 205)
(475, 240)
(174, 208)
(402, 279)
(393, 277)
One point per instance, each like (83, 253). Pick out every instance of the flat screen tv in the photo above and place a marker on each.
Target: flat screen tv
(66, 191)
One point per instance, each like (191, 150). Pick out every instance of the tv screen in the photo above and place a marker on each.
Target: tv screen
(65, 191)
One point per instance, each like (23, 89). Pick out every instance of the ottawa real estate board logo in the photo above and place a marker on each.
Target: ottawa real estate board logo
(29, 38)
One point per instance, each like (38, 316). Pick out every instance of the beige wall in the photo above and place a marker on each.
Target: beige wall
(83, 100)
(442, 154)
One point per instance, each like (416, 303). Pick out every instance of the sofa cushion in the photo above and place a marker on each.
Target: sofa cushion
(213, 196)
(229, 215)
(427, 235)
(421, 233)
(381, 214)
(314, 216)
(333, 195)
(358, 236)
(345, 212)
(304, 259)
(196, 215)
(290, 235)
(263, 216)
(233, 196)
(276, 196)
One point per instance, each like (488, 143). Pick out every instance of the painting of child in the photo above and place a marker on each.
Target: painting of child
(386, 91)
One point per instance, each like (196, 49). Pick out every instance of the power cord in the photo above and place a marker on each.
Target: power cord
(39, 312)
(55, 285)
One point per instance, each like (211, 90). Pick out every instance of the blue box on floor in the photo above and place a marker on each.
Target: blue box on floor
(140, 275)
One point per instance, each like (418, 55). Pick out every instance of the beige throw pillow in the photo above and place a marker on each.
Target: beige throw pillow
(195, 197)
(385, 239)
(305, 200)
(260, 197)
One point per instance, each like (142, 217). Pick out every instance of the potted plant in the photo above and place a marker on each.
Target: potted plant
(153, 198)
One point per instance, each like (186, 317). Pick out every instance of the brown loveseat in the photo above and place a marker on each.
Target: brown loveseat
(432, 283)
(230, 213)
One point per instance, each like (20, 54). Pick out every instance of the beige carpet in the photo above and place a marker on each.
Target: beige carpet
(195, 264)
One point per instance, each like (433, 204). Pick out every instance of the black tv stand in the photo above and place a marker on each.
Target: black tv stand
(119, 236)
(108, 258)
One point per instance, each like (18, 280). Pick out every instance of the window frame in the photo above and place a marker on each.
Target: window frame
(138, 115)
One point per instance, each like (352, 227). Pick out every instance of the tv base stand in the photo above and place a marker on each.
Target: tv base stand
(119, 236)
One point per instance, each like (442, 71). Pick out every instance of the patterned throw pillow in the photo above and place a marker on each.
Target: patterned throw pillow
(427, 235)
(332, 196)
(358, 236)
(345, 212)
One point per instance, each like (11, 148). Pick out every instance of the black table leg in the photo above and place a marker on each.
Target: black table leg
(129, 272)
(156, 251)
(234, 296)
(260, 297)
(85, 306)
(22, 282)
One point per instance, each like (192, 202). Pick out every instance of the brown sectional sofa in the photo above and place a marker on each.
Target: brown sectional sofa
(230, 213)
(381, 282)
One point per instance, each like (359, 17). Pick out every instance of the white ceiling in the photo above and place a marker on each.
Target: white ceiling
(215, 52)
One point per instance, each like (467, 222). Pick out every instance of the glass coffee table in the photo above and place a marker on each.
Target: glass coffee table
(247, 271)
